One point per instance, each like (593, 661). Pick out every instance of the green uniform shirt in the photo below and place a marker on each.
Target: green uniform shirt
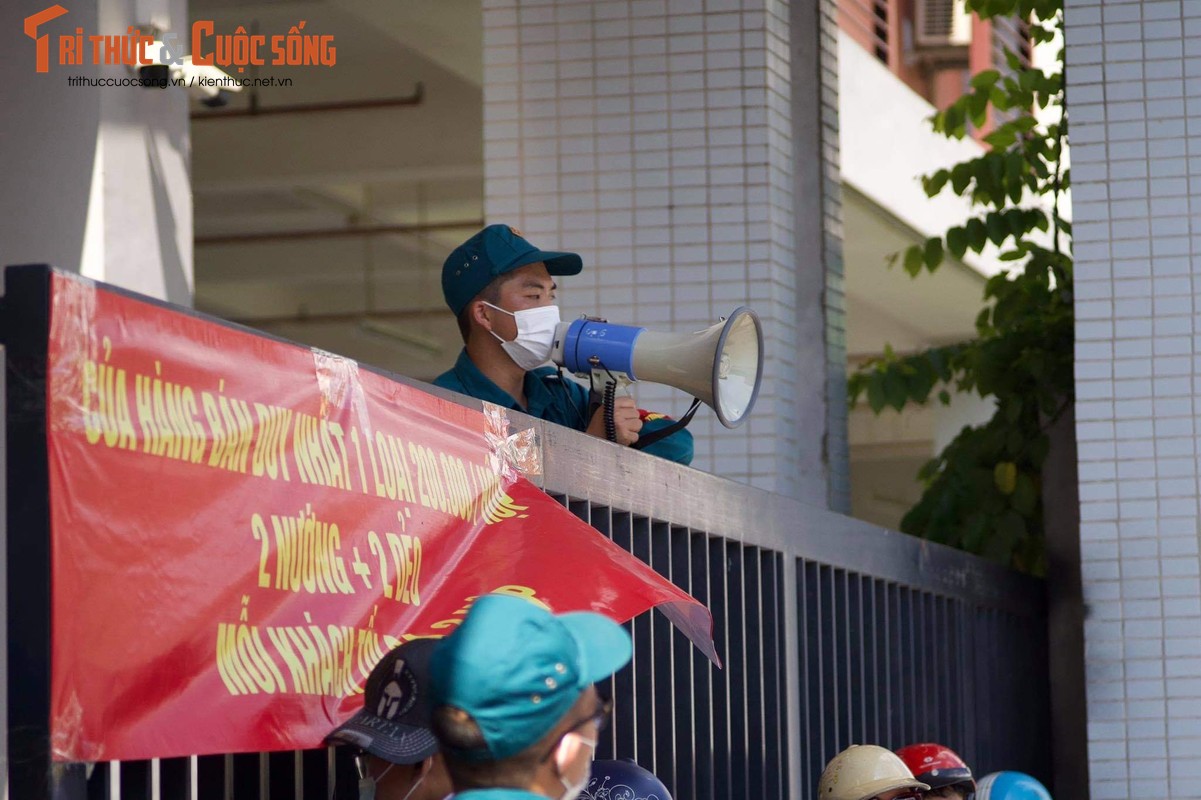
(554, 399)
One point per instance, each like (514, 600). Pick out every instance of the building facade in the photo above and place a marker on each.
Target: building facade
(1133, 101)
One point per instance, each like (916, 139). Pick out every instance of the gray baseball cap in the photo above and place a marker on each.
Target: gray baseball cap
(394, 723)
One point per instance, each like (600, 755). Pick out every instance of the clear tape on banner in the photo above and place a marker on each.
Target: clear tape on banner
(510, 454)
(339, 384)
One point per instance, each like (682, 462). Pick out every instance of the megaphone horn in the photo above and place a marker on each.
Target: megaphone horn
(721, 366)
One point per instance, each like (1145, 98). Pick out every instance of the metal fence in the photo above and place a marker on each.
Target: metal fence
(832, 632)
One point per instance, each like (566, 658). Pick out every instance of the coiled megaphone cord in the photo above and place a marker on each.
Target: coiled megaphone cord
(608, 398)
(607, 403)
(609, 395)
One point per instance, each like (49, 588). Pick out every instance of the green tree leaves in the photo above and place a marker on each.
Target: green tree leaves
(893, 382)
(983, 491)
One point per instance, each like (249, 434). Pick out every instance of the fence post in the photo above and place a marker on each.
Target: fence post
(26, 333)
(792, 678)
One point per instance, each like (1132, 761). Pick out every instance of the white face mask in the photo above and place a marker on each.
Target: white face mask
(535, 335)
(367, 785)
(563, 759)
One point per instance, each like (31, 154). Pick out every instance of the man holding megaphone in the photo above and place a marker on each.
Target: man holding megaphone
(502, 290)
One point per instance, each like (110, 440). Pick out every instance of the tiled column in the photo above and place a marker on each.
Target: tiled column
(655, 137)
(1135, 106)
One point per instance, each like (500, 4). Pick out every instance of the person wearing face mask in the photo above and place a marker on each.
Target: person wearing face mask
(516, 711)
(397, 755)
(502, 291)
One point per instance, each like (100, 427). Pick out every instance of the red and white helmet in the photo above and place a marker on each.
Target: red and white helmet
(936, 765)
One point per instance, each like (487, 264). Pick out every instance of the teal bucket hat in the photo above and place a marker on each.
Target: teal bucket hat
(517, 669)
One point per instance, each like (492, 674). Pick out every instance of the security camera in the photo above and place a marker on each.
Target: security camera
(207, 83)
(155, 76)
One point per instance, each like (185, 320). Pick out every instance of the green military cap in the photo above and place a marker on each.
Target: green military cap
(491, 253)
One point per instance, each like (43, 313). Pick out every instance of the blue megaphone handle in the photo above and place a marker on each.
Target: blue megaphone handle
(612, 345)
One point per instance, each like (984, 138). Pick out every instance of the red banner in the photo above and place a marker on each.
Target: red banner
(241, 527)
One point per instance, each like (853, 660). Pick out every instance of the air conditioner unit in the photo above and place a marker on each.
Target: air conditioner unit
(943, 24)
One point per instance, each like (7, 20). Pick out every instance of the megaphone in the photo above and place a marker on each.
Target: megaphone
(721, 366)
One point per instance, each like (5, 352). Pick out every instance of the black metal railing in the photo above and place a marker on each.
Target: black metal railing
(832, 631)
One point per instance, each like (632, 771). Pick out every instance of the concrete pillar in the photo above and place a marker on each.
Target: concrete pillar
(658, 138)
(820, 299)
(1132, 95)
(96, 179)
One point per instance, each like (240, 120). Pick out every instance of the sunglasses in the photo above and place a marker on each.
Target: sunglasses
(912, 796)
(600, 717)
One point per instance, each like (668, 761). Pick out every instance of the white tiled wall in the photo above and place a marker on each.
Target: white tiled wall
(1134, 99)
(654, 137)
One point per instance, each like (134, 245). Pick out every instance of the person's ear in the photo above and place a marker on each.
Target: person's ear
(425, 768)
(480, 314)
